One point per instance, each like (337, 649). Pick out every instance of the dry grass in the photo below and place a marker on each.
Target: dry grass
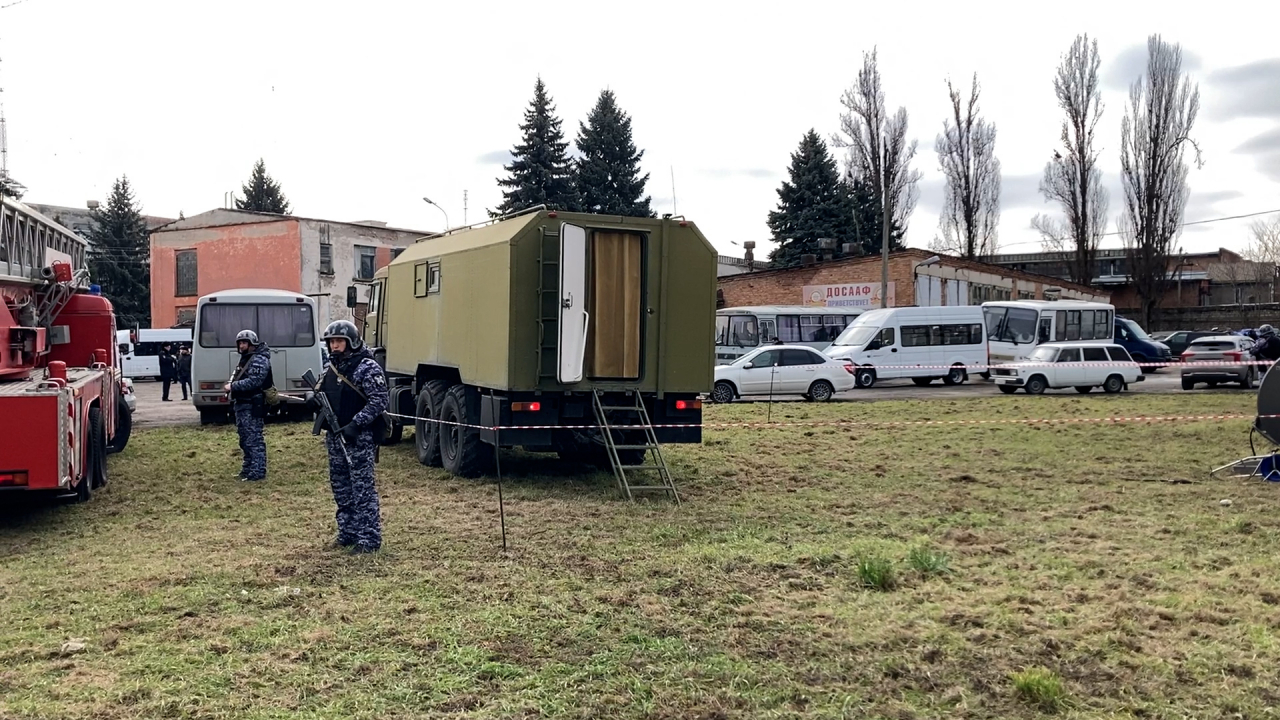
(1084, 569)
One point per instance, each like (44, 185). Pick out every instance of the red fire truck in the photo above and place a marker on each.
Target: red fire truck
(61, 404)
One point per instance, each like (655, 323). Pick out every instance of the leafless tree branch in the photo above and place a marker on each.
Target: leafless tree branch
(966, 153)
(877, 145)
(1154, 136)
(1072, 178)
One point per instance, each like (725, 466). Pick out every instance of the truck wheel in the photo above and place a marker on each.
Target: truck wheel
(426, 434)
(955, 376)
(461, 451)
(95, 457)
(124, 426)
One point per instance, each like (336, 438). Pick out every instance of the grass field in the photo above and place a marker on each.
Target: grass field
(989, 571)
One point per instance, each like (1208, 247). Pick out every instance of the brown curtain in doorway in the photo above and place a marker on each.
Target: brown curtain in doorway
(613, 334)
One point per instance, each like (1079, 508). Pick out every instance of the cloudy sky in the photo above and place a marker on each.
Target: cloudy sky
(361, 109)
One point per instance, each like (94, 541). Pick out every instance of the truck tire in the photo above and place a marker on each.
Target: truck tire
(95, 470)
(461, 451)
(124, 427)
(426, 434)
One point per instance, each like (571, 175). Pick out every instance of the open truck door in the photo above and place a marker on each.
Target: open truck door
(573, 304)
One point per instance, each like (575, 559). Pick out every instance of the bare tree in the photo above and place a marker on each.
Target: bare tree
(971, 205)
(1072, 178)
(1154, 135)
(877, 144)
(1264, 241)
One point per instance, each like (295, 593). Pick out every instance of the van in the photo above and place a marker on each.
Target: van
(140, 355)
(1130, 336)
(921, 343)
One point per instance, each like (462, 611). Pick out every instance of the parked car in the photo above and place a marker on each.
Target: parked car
(130, 398)
(1142, 348)
(1079, 365)
(1178, 341)
(782, 370)
(1218, 359)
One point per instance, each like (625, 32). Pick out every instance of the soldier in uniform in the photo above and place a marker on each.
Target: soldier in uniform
(247, 391)
(357, 390)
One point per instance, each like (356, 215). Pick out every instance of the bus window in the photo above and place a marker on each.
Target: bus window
(1046, 328)
(768, 330)
(995, 317)
(1018, 326)
(736, 331)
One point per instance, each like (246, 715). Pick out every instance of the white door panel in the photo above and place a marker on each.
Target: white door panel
(572, 347)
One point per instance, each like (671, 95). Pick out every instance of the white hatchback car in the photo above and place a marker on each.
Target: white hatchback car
(782, 370)
(1082, 366)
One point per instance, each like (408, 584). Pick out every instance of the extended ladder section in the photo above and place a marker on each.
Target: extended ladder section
(628, 420)
(548, 303)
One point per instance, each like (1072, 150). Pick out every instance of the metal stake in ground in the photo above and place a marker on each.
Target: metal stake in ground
(497, 462)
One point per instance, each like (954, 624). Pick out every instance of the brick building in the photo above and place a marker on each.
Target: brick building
(916, 277)
(225, 249)
(1203, 279)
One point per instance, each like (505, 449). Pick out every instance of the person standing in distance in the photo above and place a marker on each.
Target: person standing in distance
(357, 390)
(247, 391)
(184, 370)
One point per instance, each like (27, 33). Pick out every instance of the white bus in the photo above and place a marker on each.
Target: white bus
(739, 329)
(921, 343)
(1016, 327)
(285, 321)
(140, 355)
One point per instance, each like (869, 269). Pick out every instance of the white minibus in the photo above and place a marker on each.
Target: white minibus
(1016, 327)
(140, 356)
(740, 329)
(285, 321)
(921, 343)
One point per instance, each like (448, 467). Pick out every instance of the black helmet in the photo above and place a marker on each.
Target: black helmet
(250, 336)
(346, 330)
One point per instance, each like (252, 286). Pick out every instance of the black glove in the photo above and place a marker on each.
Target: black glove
(350, 432)
(313, 403)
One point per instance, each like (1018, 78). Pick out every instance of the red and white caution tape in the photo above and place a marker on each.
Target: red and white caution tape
(857, 423)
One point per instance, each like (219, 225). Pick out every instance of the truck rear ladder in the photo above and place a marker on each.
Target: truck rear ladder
(650, 447)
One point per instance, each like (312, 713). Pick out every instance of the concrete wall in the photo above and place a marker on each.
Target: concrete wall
(1234, 317)
(262, 255)
(330, 290)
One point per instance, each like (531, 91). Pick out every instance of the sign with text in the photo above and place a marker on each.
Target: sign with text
(853, 295)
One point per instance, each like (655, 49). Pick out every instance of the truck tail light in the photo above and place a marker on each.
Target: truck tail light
(526, 407)
(688, 404)
(13, 479)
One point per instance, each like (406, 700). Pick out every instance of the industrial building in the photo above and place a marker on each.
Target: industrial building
(916, 277)
(225, 249)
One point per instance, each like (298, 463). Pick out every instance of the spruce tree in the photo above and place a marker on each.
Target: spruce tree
(607, 172)
(539, 173)
(119, 256)
(262, 194)
(813, 204)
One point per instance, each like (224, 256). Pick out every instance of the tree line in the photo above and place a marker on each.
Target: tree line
(822, 201)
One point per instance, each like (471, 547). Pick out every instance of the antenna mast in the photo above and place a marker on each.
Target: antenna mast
(8, 186)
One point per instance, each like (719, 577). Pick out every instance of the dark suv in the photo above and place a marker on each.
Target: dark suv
(1133, 338)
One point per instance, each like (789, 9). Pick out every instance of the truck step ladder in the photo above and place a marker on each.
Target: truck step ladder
(548, 303)
(653, 462)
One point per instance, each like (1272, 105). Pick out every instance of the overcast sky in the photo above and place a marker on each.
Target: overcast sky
(361, 109)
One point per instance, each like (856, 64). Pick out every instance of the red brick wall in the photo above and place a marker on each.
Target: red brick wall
(260, 255)
(785, 287)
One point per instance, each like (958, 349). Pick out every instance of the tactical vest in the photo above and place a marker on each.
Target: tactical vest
(343, 398)
(251, 396)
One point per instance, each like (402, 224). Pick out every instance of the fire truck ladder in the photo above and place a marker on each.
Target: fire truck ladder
(548, 303)
(637, 414)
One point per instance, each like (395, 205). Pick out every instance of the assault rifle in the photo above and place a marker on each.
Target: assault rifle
(326, 414)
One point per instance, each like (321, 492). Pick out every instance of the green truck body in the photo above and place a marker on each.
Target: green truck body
(544, 310)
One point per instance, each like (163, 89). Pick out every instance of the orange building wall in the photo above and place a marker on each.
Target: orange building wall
(260, 255)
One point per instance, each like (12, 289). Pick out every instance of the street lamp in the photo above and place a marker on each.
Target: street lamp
(429, 201)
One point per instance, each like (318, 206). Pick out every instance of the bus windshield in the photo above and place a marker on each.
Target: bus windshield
(277, 325)
(1011, 324)
(737, 331)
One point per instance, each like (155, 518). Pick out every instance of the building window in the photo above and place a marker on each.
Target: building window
(433, 278)
(187, 316)
(1025, 295)
(186, 281)
(326, 251)
(365, 262)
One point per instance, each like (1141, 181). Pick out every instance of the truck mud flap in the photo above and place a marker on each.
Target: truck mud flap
(496, 411)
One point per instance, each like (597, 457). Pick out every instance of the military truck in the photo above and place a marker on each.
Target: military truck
(587, 335)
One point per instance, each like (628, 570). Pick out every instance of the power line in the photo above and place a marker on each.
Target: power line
(1186, 224)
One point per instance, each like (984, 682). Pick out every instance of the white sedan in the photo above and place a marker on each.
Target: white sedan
(783, 370)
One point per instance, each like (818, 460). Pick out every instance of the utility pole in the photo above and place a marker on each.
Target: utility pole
(464, 208)
(884, 205)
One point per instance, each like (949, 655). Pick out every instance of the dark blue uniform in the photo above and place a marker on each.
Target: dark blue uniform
(357, 408)
(250, 404)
